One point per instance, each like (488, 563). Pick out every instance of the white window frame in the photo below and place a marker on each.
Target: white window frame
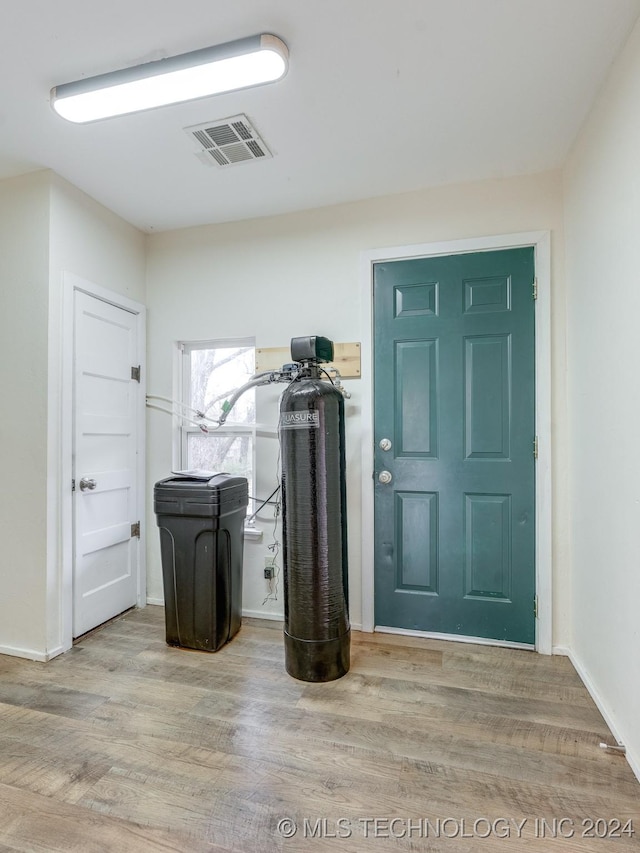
(185, 348)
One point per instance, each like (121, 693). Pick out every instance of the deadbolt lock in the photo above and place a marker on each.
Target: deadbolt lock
(385, 444)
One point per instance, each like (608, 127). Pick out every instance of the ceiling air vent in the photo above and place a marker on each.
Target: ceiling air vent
(228, 141)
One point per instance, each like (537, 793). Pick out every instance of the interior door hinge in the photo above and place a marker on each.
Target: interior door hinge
(535, 288)
(73, 485)
(535, 447)
(135, 530)
(535, 606)
(135, 373)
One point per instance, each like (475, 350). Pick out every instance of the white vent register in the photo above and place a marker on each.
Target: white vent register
(228, 141)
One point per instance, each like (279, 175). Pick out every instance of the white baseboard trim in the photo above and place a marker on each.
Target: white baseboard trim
(29, 654)
(633, 760)
(454, 638)
(262, 614)
(55, 652)
(275, 617)
(253, 614)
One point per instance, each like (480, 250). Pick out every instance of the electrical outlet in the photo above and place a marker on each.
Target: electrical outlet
(269, 568)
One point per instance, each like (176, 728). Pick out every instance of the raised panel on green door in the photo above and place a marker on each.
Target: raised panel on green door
(454, 392)
(416, 516)
(416, 398)
(487, 400)
(488, 563)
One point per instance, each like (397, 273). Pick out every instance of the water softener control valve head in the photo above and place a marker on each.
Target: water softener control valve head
(312, 348)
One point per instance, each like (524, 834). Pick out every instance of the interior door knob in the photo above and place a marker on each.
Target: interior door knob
(87, 485)
(385, 477)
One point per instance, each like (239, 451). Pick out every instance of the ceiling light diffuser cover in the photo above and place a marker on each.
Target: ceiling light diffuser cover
(235, 65)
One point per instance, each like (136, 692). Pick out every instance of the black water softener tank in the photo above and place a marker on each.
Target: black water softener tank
(316, 630)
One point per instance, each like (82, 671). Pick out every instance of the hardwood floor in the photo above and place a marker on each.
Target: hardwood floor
(125, 744)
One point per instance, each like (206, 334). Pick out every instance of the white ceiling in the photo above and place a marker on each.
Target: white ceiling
(382, 96)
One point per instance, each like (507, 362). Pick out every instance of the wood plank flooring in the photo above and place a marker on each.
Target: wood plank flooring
(125, 744)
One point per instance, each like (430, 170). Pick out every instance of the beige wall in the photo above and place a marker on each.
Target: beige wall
(46, 227)
(24, 284)
(299, 274)
(602, 190)
(97, 246)
(94, 243)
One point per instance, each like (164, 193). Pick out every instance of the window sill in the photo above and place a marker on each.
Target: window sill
(253, 533)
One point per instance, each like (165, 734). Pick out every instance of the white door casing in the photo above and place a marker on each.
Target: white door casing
(105, 450)
(541, 242)
(74, 285)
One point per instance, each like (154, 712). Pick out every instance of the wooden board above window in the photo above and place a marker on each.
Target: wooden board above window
(346, 359)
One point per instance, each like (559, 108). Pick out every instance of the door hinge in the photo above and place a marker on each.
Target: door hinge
(135, 530)
(135, 373)
(535, 606)
(535, 288)
(73, 485)
(535, 447)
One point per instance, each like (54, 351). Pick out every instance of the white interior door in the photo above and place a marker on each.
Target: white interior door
(105, 570)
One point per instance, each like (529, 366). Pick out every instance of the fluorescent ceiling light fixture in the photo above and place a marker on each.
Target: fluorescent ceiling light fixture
(235, 65)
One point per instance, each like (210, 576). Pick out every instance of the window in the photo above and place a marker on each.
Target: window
(212, 371)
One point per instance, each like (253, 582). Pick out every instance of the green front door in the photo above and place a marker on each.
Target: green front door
(454, 408)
